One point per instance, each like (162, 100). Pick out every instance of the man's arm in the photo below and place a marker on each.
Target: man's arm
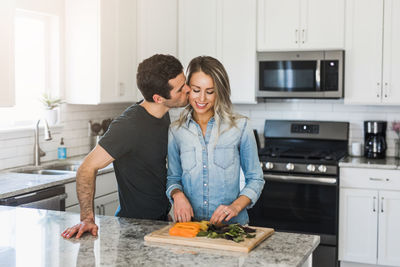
(85, 187)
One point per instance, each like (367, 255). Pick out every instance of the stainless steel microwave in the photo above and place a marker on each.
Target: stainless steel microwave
(306, 74)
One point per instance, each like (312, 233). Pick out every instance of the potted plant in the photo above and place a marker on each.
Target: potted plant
(50, 108)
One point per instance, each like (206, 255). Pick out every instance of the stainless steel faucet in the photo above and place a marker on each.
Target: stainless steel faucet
(38, 152)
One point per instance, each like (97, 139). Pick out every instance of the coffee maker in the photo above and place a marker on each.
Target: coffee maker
(375, 139)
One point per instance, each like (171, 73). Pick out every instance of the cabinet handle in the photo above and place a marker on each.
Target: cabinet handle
(98, 210)
(379, 179)
(296, 36)
(374, 205)
(303, 32)
(103, 208)
(382, 204)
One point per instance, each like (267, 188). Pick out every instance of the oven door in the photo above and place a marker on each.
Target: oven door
(304, 204)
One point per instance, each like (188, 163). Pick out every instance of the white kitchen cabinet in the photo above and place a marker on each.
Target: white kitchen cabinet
(100, 51)
(7, 90)
(372, 60)
(226, 30)
(300, 25)
(106, 205)
(157, 28)
(369, 216)
(105, 199)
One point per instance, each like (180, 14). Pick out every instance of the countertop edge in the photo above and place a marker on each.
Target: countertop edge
(316, 242)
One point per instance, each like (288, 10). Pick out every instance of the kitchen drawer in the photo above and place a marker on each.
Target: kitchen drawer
(370, 178)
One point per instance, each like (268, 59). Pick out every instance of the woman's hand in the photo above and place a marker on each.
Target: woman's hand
(224, 213)
(183, 211)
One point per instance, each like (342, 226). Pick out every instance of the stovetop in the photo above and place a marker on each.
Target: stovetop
(301, 155)
(292, 148)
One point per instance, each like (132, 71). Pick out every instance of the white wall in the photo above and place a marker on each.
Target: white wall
(324, 110)
(16, 147)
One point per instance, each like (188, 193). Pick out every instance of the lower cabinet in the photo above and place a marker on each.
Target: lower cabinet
(105, 200)
(106, 205)
(369, 218)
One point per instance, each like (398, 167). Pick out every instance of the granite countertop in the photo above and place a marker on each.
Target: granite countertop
(32, 237)
(13, 184)
(389, 163)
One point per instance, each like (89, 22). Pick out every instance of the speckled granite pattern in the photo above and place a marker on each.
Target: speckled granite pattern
(13, 184)
(389, 163)
(31, 237)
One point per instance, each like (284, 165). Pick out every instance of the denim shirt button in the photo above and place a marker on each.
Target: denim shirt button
(205, 166)
(205, 202)
(205, 184)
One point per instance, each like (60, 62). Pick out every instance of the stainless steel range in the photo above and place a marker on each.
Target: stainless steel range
(300, 164)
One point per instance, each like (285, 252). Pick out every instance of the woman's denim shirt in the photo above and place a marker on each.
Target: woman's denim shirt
(207, 169)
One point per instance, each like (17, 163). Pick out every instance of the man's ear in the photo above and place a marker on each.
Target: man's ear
(158, 99)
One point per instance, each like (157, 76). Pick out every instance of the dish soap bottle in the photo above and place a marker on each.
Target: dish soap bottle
(62, 150)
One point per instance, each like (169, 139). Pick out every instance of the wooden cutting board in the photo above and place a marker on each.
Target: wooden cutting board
(162, 236)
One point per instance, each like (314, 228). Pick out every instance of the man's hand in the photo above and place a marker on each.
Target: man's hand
(183, 211)
(224, 213)
(78, 229)
(85, 186)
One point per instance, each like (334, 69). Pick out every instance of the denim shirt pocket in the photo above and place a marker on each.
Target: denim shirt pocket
(224, 156)
(188, 158)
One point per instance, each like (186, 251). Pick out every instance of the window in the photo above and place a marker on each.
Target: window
(36, 66)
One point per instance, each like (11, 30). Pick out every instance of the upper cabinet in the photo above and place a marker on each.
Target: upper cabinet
(100, 51)
(372, 60)
(7, 92)
(157, 24)
(300, 25)
(157, 29)
(226, 30)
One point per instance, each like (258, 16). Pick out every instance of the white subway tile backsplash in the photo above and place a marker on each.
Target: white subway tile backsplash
(324, 110)
(16, 146)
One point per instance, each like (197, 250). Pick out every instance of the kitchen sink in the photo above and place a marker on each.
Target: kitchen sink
(51, 169)
(64, 167)
(45, 172)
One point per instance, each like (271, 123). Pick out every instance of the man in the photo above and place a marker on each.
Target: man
(136, 143)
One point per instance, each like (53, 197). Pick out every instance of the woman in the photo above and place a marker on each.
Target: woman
(206, 148)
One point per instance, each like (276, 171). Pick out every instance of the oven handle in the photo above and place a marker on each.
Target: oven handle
(301, 179)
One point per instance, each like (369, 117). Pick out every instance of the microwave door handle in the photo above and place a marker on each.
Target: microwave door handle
(318, 76)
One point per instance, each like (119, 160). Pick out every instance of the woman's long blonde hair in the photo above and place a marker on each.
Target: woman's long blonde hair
(223, 106)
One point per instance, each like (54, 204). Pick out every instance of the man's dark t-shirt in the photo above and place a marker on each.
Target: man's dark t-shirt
(138, 143)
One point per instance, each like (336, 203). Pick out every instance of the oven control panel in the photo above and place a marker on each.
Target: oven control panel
(304, 128)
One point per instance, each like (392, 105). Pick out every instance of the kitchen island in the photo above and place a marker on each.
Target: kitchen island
(32, 237)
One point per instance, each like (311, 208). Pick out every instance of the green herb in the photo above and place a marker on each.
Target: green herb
(234, 232)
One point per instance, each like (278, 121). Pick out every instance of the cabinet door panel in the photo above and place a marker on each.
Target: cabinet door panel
(106, 184)
(278, 25)
(358, 222)
(322, 24)
(7, 93)
(239, 48)
(389, 228)
(106, 205)
(198, 29)
(157, 28)
(391, 53)
(364, 29)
